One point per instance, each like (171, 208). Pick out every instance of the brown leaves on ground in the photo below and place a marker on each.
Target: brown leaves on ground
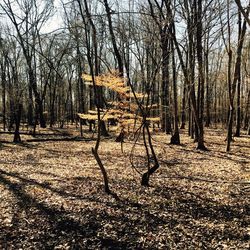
(51, 196)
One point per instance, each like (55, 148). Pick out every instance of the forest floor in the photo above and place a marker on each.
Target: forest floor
(51, 194)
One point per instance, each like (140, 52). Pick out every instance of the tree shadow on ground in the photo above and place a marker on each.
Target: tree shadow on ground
(171, 212)
(23, 144)
(46, 226)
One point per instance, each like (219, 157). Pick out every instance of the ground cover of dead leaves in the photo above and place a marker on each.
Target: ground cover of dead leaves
(51, 196)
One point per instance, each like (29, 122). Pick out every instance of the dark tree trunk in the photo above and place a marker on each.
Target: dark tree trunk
(151, 170)
(232, 86)
(201, 76)
(183, 108)
(175, 139)
(52, 104)
(238, 110)
(80, 81)
(191, 96)
(111, 30)
(166, 123)
(18, 112)
(38, 100)
(71, 111)
(3, 76)
(230, 128)
(208, 119)
(30, 106)
(247, 111)
(215, 120)
(96, 92)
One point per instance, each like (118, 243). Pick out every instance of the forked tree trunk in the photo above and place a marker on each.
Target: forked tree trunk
(151, 170)
(97, 96)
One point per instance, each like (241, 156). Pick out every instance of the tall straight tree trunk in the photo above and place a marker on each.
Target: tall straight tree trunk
(166, 123)
(79, 78)
(38, 100)
(175, 139)
(190, 122)
(3, 76)
(208, 98)
(193, 127)
(95, 60)
(238, 111)
(232, 86)
(247, 111)
(30, 105)
(201, 75)
(71, 111)
(53, 89)
(183, 107)
(197, 119)
(215, 120)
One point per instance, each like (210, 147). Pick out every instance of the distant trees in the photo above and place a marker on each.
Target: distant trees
(234, 73)
(27, 22)
(13, 85)
(159, 11)
(180, 55)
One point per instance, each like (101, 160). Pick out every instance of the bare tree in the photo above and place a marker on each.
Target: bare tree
(27, 23)
(244, 12)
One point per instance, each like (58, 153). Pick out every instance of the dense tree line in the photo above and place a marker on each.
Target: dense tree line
(190, 58)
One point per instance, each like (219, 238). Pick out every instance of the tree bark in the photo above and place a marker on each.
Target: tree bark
(18, 112)
(175, 139)
(166, 123)
(232, 86)
(238, 109)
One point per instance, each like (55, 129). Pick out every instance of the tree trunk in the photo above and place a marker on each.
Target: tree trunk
(247, 111)
(183, 107)
(114, 43)
(52, 103)
(3, 69)
(18, 112)
(201, 76)
(96, 92)
(38, 101)
(230, 128)
(238, 111)
(208, 119)
(166, 123)
(30, 106)
(175, 139)
(232, 87)
(151, 170)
